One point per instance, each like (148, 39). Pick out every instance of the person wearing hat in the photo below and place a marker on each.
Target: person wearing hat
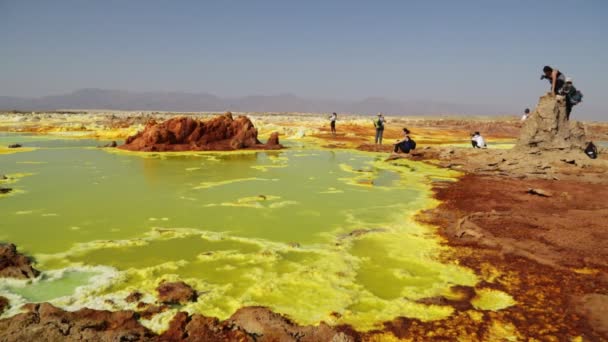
(379, 124)
(569, 92)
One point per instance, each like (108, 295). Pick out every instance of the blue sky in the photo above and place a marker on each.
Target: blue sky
(470, 52)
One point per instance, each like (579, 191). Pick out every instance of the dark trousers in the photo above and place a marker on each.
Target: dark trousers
(568, 107)
(379, 133)
(404, 146)
(558, 86)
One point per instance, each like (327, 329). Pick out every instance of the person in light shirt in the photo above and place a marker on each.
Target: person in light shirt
(477, 141)
(526, 114)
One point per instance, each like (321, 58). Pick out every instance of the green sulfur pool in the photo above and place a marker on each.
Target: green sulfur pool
(317, 235)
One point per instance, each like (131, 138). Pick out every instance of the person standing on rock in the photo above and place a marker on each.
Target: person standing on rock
(555, 77)
(572, 95)
(379, 124)
(332, 120)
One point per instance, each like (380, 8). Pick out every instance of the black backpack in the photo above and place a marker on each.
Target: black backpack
(576, 98)
(412, 144)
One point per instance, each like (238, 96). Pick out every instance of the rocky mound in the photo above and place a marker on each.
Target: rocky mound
(548, 129)
(44, 322)
(14, 264)
(4, 304)
(222, 133)
(176, 293)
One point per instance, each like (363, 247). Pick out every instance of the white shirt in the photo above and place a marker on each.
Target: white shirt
(333, 117)
(480, 141)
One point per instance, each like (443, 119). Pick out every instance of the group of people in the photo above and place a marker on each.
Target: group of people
(560, 86)
(404, 145)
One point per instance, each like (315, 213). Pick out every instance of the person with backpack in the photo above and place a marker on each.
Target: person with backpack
(405, 145)
(555, 77)
(572, 96)
(379, 124)
(332, 120)
(591, 150)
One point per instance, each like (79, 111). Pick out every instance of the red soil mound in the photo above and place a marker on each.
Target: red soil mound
(222, 133)
(14, 264)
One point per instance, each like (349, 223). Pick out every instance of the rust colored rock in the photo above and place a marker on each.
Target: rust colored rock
(4, 304)
(152, 310)
(176, 293)
(44, 322)
(14, 264)
(273, 140)
(134, 297)
(594, 307)
(222, 133)
(266, 325)
(201, 328)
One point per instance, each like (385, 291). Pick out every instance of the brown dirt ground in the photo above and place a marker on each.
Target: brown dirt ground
(552, 252)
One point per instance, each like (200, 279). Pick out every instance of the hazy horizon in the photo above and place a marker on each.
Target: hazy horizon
(471, 53)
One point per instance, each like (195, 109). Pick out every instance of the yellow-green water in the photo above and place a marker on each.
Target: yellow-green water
(251, 228)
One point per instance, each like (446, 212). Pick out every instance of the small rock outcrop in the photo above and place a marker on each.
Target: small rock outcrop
(175, 293)
(548, 129)
(273, 140)
(222, 133)
(14, 146)
(44, 322)
(134, 297)
(4, 304)
(14, 264)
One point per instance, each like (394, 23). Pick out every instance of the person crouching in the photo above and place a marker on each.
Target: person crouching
(477, 141)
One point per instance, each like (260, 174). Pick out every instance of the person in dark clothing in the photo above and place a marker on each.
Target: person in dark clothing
(332, 120)
(572, 96)
(591, 150)
(379, 124)
(406, 144)
(555, 77)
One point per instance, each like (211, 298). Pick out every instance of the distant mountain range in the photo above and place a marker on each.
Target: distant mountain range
(92, 98)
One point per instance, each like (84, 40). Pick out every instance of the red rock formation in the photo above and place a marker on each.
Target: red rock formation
(273, 140)
(134, 297)
(201, 328)
(175, 293)
(222, 133)
(44, 322)
(4, 304)
(14, 264)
